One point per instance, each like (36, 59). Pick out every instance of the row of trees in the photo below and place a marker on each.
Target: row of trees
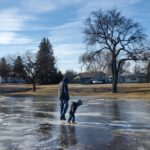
(33, 68)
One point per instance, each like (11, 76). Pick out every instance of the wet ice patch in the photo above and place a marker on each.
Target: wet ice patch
(90, 114)
(7, 123)
(141, 148)
(45, 123)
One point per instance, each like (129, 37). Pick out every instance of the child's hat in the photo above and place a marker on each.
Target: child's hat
(80, 102)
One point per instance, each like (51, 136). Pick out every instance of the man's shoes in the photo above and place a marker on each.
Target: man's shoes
(62, 118)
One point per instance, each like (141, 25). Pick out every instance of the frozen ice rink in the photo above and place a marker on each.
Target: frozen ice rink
(33, 124)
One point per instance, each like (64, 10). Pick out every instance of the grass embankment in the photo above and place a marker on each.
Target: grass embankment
(125, 91)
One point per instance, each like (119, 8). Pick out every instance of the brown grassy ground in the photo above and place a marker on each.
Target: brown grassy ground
(125, 91)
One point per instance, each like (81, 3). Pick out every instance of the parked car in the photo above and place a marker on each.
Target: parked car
(98, 81)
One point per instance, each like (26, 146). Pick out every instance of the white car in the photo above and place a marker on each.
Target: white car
(97, 81)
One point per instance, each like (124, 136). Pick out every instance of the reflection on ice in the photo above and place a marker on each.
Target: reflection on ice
(33, 123)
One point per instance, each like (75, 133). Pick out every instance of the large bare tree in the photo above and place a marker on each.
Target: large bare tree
(112, 32)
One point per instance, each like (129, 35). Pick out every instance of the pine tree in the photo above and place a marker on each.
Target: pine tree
(46, 62)
(4, 69)
(18, 68)
(57, 77)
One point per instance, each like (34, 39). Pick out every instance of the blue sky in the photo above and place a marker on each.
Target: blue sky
(23, 23)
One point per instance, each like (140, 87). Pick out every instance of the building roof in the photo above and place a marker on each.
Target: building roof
(91, 74)
(137, 74)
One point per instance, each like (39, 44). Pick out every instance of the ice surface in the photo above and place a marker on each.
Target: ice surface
(33, 124)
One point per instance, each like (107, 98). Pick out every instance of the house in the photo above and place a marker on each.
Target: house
(89, 77)
(132, 78)
(100, 77)
(11, 79)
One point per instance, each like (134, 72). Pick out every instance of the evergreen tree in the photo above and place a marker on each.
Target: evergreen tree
(57, 77)
(46, 62)
(18, 68)
(5, 69)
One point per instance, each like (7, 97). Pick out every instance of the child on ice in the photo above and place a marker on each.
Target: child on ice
(73, 109)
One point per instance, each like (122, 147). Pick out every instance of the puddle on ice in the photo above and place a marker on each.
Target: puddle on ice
(33, 124)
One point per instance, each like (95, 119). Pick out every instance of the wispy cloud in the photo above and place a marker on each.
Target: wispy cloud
(66, 32)
(38, 6)
(13, 20)
(41, 6)
(69, 65)
(12, 23)
(68, 50)
(67, 56)
(14, 38)
(86, 6)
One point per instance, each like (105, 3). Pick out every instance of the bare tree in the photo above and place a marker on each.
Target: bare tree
(140, 66)
(70, 75)
(99, 62)
(124, 67)
(30, 67)
(112, 32)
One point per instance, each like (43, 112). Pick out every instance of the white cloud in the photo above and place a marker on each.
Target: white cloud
(67, 25)
(62, 51)
(67, 56)
(41, 6)
(13, 20)
(13, 38)
(87, 5)
(38, 5)
(69, 65)
(67, 32)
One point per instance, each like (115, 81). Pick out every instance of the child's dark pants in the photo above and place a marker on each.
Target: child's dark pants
(71, 117)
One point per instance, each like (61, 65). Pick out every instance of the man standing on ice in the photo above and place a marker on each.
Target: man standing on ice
(64, 97)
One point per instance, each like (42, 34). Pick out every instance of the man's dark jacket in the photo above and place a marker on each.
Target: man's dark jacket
(63, 90)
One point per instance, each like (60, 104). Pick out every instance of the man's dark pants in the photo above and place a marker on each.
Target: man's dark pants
(63, 108)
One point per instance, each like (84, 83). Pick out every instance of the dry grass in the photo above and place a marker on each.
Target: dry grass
(125, 91)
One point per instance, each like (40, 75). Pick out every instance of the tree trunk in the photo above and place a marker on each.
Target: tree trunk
(115, 83)
(34, 86)
(114, 75)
